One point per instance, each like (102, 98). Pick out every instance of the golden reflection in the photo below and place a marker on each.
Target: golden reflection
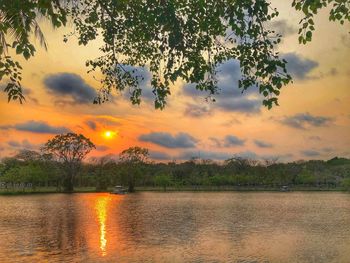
(101, 208)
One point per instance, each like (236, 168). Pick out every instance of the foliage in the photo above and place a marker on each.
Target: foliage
(69, 149)
(103, 170)
(132, 163)
(106, 172)
(18, 24)
(339, 11)
(162, 180)
(174, 39)
(134, 155)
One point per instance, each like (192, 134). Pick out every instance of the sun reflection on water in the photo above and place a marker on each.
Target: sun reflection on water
(101, 208)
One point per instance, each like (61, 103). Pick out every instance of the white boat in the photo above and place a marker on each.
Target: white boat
(284, 188)
(119, 190)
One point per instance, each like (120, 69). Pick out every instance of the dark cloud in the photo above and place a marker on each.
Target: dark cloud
(228, 141)
(181, 140)
(304, 120)
(91, 124)
(243, 105)
(155, 155)
(196, 111)
(105, 121)
(310, 153)
(299, 67)
(37, 127)
(231, 140)
(24, 144)
(70, 88)
(263, 144)
(282, 27)
(229, 98)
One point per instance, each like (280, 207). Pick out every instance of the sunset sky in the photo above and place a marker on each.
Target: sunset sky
(312, 121)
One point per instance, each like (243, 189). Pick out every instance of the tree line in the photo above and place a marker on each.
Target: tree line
(60, 165)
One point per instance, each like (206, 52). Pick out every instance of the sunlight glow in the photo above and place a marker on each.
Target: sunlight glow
(101, 208)
(109, 134)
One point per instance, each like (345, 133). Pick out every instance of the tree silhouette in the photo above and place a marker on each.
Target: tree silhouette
(132, 160)
(69, 149)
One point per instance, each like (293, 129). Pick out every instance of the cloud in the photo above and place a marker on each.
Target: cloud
(304, 120)
(37, 127)
(196, 111)
(231, 140)
(104, 121)
(282, 27)
(263, 144)
(310, 153)
(243, 105)
(155, 155)
(28, 95)
(227, 141)
(327, 149)
(186, 155)
(71, 87)
(91, 124)
(299, 67)
(24, 144)
(229, 98)
(181, 140)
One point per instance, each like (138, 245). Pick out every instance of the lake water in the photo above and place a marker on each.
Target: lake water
(176, 227)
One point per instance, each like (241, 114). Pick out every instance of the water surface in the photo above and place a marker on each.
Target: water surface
(176, 227)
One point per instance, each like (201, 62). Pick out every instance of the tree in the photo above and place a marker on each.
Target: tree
(133, 160)
(174, 39)
(69, 149)
(103, 167)
(28, 155)
(163, 180)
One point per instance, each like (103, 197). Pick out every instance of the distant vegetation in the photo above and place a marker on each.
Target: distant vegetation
(132, 169)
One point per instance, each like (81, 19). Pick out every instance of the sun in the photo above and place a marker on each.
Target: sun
(109, 134)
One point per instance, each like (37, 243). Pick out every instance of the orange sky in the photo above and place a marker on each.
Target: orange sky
(312, 121)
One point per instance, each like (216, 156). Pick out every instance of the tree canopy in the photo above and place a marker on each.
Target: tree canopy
(69, 149)
(174, 39)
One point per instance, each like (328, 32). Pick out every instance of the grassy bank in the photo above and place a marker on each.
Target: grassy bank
(238, 188)
(44, 190)
(47, 190)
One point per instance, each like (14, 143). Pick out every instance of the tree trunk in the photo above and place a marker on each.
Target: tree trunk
(68, 184)
(131, 188)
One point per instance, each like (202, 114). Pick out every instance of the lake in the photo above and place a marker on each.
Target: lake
(176, 227)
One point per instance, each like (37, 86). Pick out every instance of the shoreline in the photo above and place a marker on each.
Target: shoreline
(175, 189)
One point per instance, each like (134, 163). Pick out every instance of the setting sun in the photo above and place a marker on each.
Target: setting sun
(109, 134)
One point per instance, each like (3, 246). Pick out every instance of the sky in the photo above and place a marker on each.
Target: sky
(312, 121)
